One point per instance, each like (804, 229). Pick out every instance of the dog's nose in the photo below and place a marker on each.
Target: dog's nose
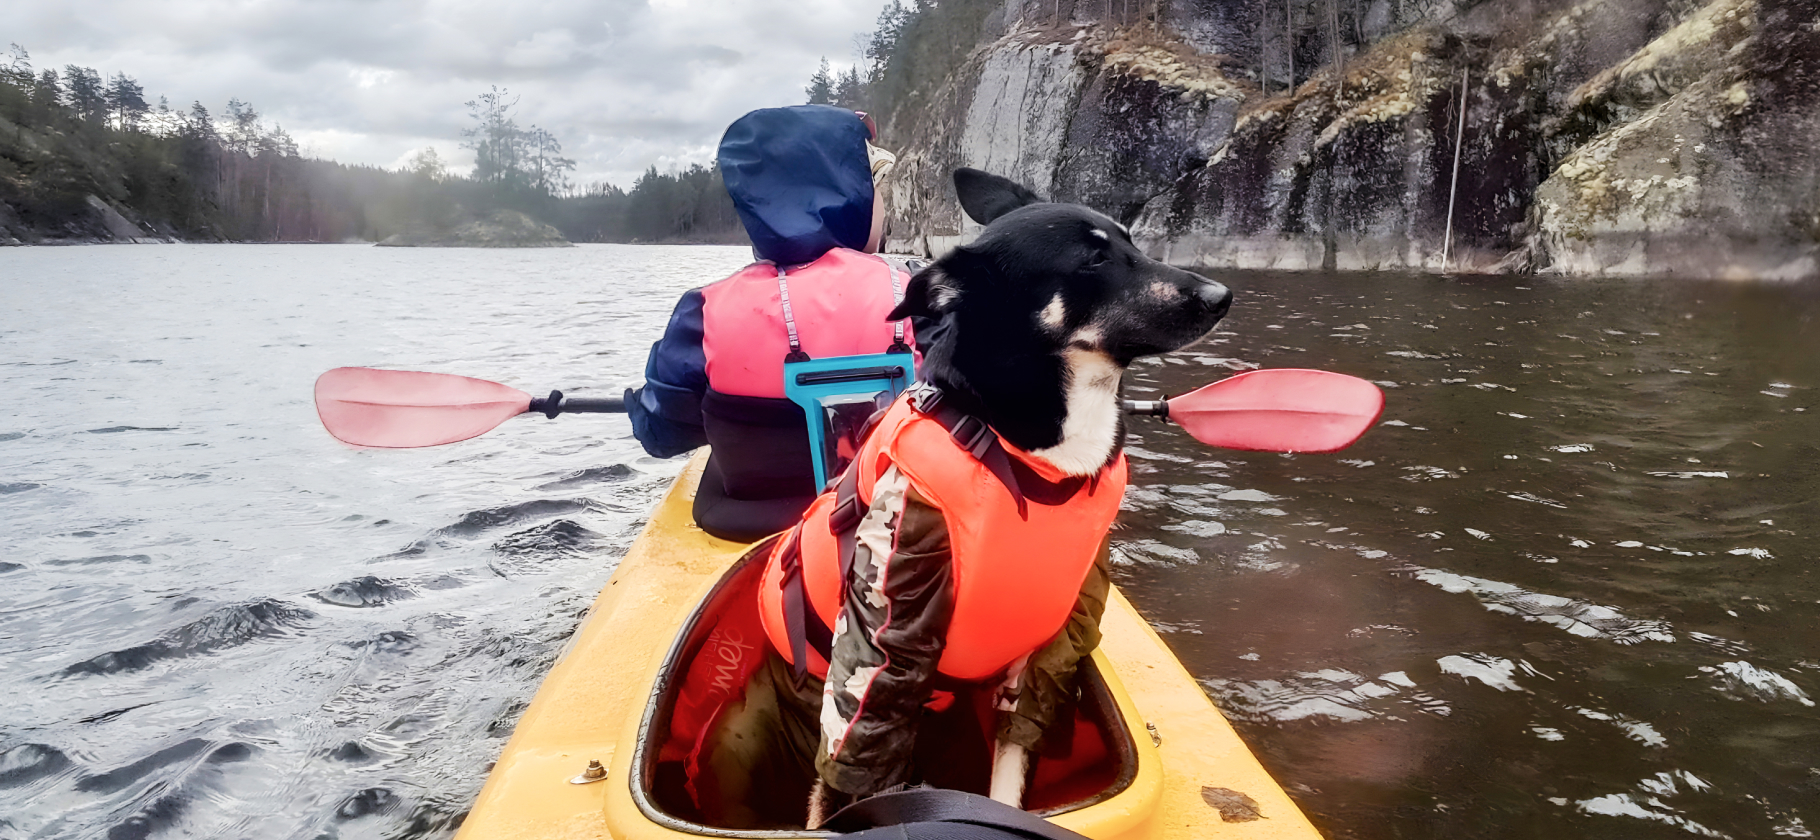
(1214, 296)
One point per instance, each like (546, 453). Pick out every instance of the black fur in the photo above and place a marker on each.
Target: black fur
(995, 354)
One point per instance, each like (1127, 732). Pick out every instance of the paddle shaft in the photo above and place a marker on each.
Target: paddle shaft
(556, 403)
(617, 405)
(1148, 408)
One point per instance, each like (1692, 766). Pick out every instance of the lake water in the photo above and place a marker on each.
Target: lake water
(1565, 590)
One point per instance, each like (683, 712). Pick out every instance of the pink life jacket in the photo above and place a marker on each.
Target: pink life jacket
(834, 306)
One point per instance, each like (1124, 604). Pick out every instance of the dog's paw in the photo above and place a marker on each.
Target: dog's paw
(1010, 763)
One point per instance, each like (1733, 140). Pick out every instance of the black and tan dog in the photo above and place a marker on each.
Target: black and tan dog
(1042, 314)
(1039, 318)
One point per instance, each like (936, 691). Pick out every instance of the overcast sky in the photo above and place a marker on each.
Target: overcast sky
(624, 84)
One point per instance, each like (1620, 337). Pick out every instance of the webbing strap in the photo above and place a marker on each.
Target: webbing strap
(802, 623)
(973, 435)
(843, 521)
(929, 805)
(897, 297)
(796, 353)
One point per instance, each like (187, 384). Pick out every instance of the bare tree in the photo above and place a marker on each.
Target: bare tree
(548, 166)
(1289, 40)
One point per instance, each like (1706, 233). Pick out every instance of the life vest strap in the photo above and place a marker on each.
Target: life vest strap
(796, 353)
(801, 622)
(972, 434)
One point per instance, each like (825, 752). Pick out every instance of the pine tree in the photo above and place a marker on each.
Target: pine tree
(17, 69)
(47, 93)
(849, 91)
(821, 85)
(126, 102)
(84, 94)
(883, 45)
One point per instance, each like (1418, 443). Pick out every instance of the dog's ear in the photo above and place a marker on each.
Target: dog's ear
(986, 196)
(930, 293)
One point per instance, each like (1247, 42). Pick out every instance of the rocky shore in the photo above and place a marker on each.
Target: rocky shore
(95, 221)
(1599, 137)
(501, 229)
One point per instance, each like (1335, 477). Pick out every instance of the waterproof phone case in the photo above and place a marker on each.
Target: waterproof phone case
(839, 394)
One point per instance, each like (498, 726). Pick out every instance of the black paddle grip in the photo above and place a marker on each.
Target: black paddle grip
(594, 405)
(556, 403)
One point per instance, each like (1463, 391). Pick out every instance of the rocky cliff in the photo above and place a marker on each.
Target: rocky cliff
(1593, 137)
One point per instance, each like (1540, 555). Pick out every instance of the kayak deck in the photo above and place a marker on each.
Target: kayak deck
(592, 704)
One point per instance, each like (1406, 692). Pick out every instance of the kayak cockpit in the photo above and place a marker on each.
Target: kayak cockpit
(1098, 760)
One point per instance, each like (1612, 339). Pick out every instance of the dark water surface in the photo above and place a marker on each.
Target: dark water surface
(1563, 592)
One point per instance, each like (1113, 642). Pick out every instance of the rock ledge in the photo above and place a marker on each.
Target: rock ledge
(502, 229)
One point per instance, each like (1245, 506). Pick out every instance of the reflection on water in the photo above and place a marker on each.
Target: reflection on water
(1562, 590)
(220, 622)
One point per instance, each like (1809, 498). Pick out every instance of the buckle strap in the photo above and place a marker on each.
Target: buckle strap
(843, 522)
(971, 434)
(802, 623)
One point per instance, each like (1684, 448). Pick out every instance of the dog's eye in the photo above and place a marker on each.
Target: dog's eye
(1098, 259)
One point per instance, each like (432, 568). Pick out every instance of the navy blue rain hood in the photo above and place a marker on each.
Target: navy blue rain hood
(800, 179)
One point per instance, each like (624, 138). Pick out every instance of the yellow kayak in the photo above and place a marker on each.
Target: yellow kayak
(1173, 766)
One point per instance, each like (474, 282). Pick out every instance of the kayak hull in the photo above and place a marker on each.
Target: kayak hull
(591, 705)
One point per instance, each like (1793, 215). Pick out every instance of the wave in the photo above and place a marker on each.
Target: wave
(27, 763)
(562, 537)
(373, 800)
(591, 475)
(224, 628)
(102, 558)
(364, 591)
(162, 812)
(478, 522)
(1744, 681)
(1330, 693)
(1578, 618)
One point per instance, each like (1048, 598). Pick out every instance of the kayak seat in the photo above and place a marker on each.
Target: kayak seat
(722, 643)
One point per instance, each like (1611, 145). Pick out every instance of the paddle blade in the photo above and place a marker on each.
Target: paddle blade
(1282, 410)
(399, 409)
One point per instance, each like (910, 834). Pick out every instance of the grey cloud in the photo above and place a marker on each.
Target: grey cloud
(624, 84)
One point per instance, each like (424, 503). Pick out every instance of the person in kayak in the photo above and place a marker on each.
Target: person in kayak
(802, 180)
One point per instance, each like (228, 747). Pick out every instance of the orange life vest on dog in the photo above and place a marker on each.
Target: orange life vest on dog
(1016, 577)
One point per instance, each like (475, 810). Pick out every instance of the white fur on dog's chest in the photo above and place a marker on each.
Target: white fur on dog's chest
(1091, 425)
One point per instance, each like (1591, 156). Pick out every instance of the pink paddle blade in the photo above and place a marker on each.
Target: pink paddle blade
(1281, 410)
(398, 409)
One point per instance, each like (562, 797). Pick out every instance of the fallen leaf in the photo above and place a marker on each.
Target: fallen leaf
(1234, 806)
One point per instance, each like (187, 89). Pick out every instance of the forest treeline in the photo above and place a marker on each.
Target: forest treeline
(81, 153)
(913, 47)
(917, 44)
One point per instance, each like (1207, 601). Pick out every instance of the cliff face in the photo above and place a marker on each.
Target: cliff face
(1601, 136)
